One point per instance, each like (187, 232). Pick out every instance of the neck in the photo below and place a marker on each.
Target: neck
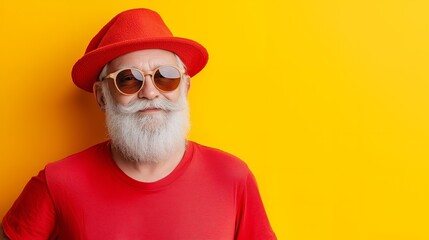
(148, 171)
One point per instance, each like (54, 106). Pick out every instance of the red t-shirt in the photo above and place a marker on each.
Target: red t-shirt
(210, 195)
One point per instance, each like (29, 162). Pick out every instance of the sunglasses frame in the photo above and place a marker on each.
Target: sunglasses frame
(114, 74)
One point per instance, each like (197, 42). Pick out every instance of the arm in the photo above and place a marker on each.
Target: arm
(32, 215)
(253, 222)
(2, 234)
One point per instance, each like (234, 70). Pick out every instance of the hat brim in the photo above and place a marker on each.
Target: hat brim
(86, 70)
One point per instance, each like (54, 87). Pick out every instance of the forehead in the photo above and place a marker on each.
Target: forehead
(144, 59)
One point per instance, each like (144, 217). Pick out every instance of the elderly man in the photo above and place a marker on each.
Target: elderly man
(147, 181)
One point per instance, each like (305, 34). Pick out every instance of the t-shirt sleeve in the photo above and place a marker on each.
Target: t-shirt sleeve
(32, 216)
(253, 223)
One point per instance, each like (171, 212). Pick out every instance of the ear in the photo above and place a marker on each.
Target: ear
(188, 84)
(98, 94)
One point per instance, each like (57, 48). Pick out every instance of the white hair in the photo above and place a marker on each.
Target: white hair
(147, 138)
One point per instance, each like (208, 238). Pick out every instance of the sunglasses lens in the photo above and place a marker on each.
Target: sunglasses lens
(129, 81)
(167, 78)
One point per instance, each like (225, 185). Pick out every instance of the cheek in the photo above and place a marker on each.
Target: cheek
(173, 96)
(123, 100)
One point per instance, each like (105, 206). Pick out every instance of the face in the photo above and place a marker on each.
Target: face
(150, 125)
(145, 60)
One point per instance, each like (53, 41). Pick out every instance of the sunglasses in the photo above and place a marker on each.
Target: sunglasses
(129, 81)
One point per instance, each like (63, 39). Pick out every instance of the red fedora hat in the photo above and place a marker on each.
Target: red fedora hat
(129, 31)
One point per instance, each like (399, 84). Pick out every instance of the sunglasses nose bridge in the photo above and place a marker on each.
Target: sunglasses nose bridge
(148, 89)
(150, 75)
(145, 73)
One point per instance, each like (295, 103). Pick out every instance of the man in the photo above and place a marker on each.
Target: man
(148, 181)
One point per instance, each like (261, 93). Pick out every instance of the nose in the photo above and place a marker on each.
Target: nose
(149, 91)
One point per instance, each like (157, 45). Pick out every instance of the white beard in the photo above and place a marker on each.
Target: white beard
(147, 138)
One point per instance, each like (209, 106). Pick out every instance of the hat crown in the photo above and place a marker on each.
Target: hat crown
(130, 25)
(129, 31)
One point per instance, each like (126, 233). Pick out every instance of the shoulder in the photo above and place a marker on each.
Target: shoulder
(220, 161)
(82, 160)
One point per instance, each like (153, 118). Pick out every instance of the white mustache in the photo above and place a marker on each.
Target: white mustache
(143, 104)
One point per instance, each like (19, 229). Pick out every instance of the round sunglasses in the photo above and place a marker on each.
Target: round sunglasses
(129, 81)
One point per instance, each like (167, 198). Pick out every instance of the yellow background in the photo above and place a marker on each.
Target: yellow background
(327, 102)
